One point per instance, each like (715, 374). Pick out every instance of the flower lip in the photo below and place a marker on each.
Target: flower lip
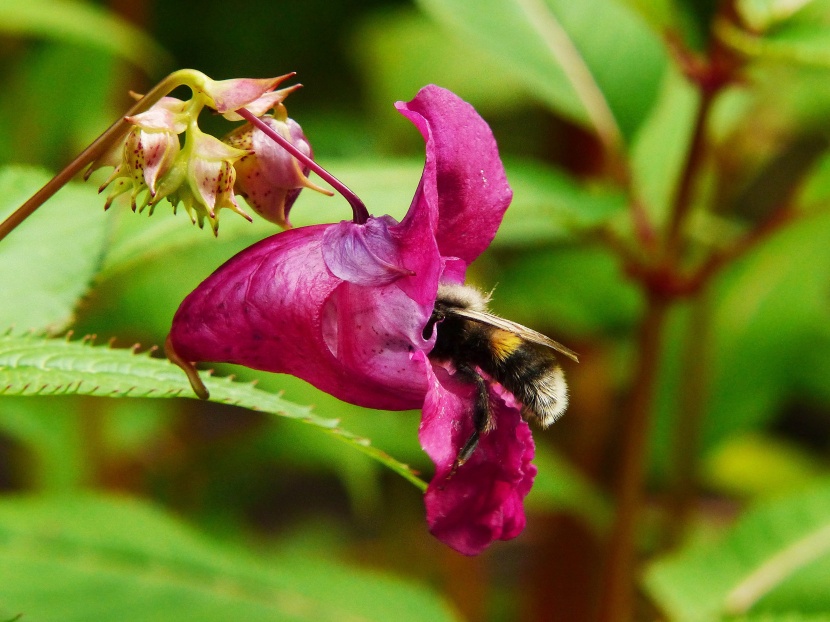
(482, 500)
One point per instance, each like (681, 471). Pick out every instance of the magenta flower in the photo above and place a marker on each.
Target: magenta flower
(344, 306)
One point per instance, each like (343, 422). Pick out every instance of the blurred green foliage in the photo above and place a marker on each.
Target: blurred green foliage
(594, 105)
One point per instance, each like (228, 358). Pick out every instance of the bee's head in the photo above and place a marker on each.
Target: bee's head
(459, 296)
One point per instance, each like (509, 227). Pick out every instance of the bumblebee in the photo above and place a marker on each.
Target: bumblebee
(474, 340)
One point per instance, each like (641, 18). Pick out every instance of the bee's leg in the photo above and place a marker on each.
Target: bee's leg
(482, 414)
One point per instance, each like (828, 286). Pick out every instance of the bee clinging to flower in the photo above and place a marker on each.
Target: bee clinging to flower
(474, 340)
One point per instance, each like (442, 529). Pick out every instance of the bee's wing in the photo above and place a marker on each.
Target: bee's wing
(517, 329)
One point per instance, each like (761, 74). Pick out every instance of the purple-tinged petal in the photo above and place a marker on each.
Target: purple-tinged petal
(482, 501)
(471, 186)
(363, 255)
(230, 95)
(160, 151)
(277, 307)
(270, 178)
(211, 174)
(264, 103)
(167, 115)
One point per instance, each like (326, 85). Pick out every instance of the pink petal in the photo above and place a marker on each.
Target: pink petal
(483, 500)
(278, 166)
(264, 103)
(230, 95)
(166, 116)
(364, 255)
(277, 307)
(160, 151)
(471, 186)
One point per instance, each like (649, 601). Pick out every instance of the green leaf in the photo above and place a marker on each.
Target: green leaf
(796, 33)
(84, 24)
(695, 18)
(30, 366)
(661, 145)
(47, 263)
(764, 319)
(660, 14)
(401, 50)
(589, 297)
(783, 617)
(549, 205)
(770, 306)
(52, 435)
(762, 14)
(815, 192)
(756, 465)
(87, 106)
(117, 559)
(772, 550)
(595, 61)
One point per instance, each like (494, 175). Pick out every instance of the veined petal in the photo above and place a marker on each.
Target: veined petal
(211, 173)
(230, 95)
(207, 147)
(472, 192)
(280, 167)
(269, 178)
(482, 501)
(167, 115)
(160, 152)
(277, 307)
(264, 103)
(363, 254)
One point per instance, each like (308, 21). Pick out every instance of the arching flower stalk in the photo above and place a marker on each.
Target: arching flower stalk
(345, 306)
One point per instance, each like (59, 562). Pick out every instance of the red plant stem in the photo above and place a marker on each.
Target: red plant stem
(691, 406)
(619, 575)
(359, 211)
(89, 155)
(683, 201)
(111, 135)
(616, 601)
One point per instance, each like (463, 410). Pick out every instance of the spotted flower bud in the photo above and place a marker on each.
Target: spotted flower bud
(148, 153)
(152, 162)
(269, 177)
(210, 176)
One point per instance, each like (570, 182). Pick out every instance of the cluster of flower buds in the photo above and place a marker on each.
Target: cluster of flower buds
(165, 155)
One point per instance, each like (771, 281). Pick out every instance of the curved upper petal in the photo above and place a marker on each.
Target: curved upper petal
(483, 500)
(276, 307)
(471, 192)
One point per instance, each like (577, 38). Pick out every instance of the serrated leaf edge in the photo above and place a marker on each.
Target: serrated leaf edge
(219, 387)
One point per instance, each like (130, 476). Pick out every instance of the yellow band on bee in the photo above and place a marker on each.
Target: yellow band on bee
(505, 343)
